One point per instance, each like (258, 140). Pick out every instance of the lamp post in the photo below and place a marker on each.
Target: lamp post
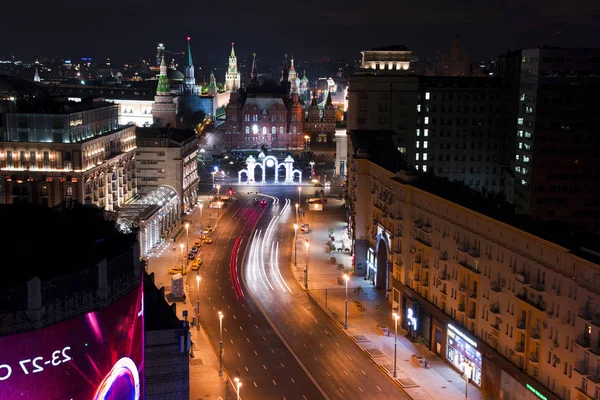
(238, 385)
(346, 278)
(295, 243)
(220, 343)
(297, 205)
(201, 217)
(312, 169)
(187, 236)
(299, 196)
(306, 270)
(306, 139)
(468, 368)
(198, 303)
(182, 268)
(218, 188)
(396, 318)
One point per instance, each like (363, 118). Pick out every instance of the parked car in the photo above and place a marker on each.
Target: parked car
(195, 249)
(176, 270)
(208, 240)
(191, 255)
(196, 264)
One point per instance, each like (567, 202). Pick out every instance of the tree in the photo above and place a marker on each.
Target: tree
(192, 120)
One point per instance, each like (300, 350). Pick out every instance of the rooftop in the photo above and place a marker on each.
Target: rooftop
(51, 242)
(176, 136)
(378, 147)
(60, 105)
(390, 48)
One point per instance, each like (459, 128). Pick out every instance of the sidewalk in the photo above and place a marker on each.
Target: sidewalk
(368, 312)
(205, 382)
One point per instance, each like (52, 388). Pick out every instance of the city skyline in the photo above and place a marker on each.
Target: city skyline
(309, 32)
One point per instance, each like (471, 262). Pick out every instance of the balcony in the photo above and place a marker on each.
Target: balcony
(443, 276)
(417, 278)
(472, 268)
(425, 265)
(418, 224)
(538, 287)
(461, 307)
(583, 341)
(473, 252)
(522, 278)
(463, 247)
(462, 288)
(521, 324)
(472, 294)
(471, 315)
(495, 286)
(444, 256)
(495, 309)
(534, 357)
(535, 334)
(496, 326)
(538, 302)
(427, 228)
(426, 242)
(582, 367)
(520, 348)
(425, 283)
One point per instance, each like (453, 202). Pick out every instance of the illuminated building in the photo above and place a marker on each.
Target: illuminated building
(74, 330)
(232, 77)
(264, 114)
(452, 127)
(474, 281)
(55, 151)
(556, 168)
(168, 157)
(320, 123)
(457, 63)
(164, 110)
(36, 77)
(293, 78)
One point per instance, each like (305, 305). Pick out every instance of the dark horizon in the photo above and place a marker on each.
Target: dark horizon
(129, 30)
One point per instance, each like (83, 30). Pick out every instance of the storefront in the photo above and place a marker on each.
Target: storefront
(461, 348)
(416, 322)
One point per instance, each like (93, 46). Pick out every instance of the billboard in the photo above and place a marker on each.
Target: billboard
(96, 356)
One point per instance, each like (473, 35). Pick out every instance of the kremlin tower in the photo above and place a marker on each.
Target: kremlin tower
(164, 109)
(189, 82)
(232, 77)
(293, 78)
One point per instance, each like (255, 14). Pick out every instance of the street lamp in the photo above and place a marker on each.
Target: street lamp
(306, 139)
(297, 205)
(218, 188)
(182, 268)
(295, 243)
(187, 236)
(198, 304)
(396, 318)
(346, 278)
(299, 196)
(468, 368)
(312, 170)
(201, 205)
(220, 343)
(306, 270)
(238, 385)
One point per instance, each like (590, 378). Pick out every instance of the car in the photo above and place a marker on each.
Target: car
(191, 255)
(176, 270)
(195, 249)
(196, 264)
(263, 202)
(208, 241)
(197, 243)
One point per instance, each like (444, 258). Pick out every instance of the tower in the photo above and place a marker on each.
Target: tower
(293, 78)
(36, 76)
(189, 82)
(164, 110)
(253, 73)
(232, 76)
(314, 114)
(303, 89)
(160, 52)
(212, 85)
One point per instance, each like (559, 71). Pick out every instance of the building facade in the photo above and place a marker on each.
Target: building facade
(168, 157)
(557, 169)
(76, 153)
(521, 310)
(457, 128)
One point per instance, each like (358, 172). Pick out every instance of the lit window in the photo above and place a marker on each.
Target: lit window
(527, 134)
(417, 156)
(426, 120)
(424, 156)
(418, 108)
(520, 133)
(518, 169)
(425, 144)
(281, 131)
(525, 159)
(294, 129)
(273, 130)
(69, 190)
(425, 132)
(520, 145)
(517, 157)
(417, 167)
(520, 121)
(426, 95)
(264, 130)
(418, 144)
(424, 168)
(418, 132)
(523, 182)
(402, 149)
(247, 130)
(255, 129)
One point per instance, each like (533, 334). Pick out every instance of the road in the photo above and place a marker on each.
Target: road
(306, 356)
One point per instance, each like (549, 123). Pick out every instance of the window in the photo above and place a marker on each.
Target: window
(247, 118)
(427, 95)
(69, 190)
(426, 120)
(418, 144)
(281, 130)
(247, 130)
(418, 132)
(417, 156)
(425, 144)
(424, 167)
(273, 130)
(294, 129)
(273, 118)
(418, 108)
(425, 132)
(425, 156)
(264, 130)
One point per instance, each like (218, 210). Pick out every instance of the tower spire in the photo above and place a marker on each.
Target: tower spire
(189, 53)
(253, 74)
(163, 87)
(232, 50)
(36, 76)
(189, 82)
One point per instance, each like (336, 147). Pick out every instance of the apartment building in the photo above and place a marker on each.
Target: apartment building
(557, 167)
(453, 127)
(478, 285)
(60, 150)
(168, 157)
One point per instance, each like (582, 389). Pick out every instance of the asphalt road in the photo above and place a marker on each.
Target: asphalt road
(306, 356)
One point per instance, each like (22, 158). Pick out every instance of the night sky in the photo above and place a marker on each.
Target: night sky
(130, 29)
